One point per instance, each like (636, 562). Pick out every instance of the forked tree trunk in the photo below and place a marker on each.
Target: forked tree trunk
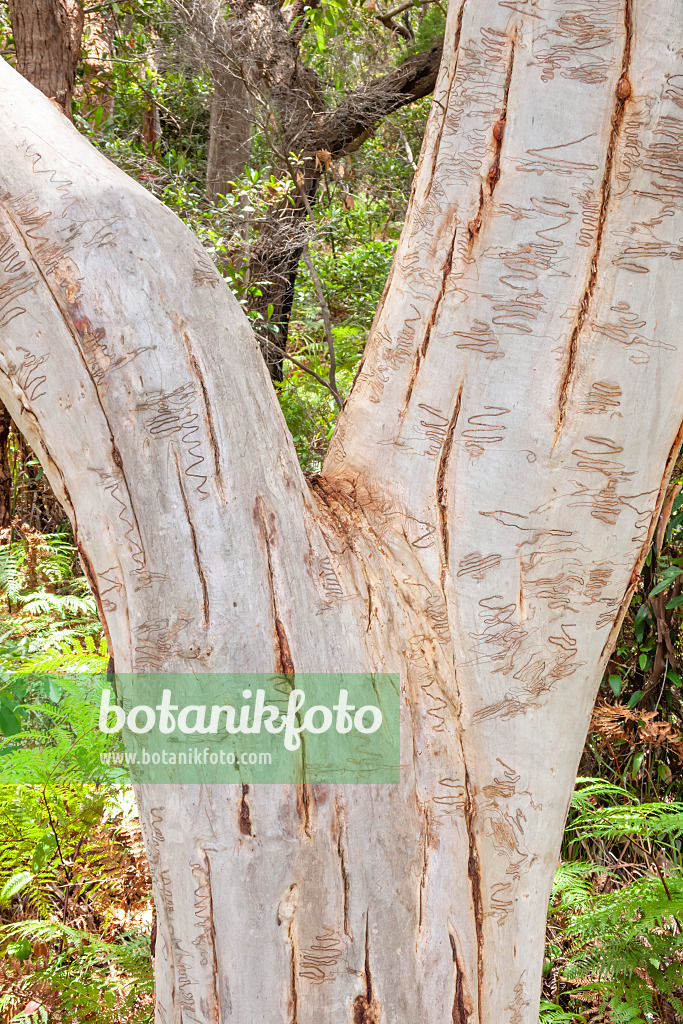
(492, 485)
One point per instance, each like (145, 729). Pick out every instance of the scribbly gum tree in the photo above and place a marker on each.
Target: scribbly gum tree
(490, 492)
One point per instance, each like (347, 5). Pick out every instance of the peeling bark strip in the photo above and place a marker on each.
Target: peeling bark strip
(293, 958)
(245, 818)
(474, 873)
(462, 1004)
(342, 853)
(366, 1009)
(460, 527)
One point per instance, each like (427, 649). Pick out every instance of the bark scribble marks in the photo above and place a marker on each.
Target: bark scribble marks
(208, 416)
(245, 817)
(444, 106)
(474, 875)
(195, 548)
(441, 489)
(462, 1002)
(366, 1009)
(623, 92)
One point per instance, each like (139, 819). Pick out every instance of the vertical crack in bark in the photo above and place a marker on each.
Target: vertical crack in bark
(206, 611)
(425, 861)
(422, 349)
(499, 126)
(475, 885)
(441, 488)
(462, 1001)
(343, 866)
(303, 796)
(366, 1009)
(208, 416)
(284, 661)
(456, 50)
(498, 132)
(293, 994)
(245, 816)
(623, 92)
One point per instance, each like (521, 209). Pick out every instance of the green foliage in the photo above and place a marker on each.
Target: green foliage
(430, 30)
(353, 282)
(623, 942)
(91, 976)
(59, 806)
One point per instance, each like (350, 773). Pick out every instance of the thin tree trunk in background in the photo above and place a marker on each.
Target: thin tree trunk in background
(5, 471)
(493, 483)
(230, 131)
(274, 266)
(260, 42)
(47, 39)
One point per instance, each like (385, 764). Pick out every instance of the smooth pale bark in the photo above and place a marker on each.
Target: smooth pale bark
(493, 484)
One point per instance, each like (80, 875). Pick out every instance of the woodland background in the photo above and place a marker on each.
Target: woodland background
(286, 136)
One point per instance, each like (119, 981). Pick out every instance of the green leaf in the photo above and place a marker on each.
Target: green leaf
(634, 699)
(14, 884)
(675, 602)
(667, 579)
(44, 850)
(642, 661)
(637, 762)
(9, 723)
(21, 949)
(615, 683)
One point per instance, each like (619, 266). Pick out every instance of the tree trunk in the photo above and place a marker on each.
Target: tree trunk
(230, 129)
(47, 38)
(6, 483)
(476, 526)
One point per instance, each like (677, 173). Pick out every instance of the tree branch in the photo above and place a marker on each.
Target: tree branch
(345, 129)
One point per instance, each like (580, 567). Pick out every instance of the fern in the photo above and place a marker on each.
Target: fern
(551, 1013)
(91, 976)
(625, 948)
